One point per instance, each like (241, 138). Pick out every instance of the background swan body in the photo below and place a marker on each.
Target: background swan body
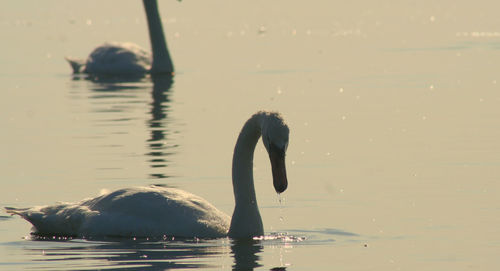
(157, 211)
(116, 58)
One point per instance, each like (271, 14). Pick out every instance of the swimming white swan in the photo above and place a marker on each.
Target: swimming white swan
(158, 211)
(129, 58)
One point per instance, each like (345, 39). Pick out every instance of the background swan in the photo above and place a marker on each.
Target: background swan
(129, 58)
(157, 211)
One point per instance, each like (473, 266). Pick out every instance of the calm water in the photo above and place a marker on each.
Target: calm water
(394, 159)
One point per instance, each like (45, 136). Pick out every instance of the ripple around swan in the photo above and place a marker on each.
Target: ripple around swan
(50, 253)
(123, 255)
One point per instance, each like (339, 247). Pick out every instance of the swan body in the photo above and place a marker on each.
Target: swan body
(160, 211)
(114, 58)
(142, 211)
(128, 58)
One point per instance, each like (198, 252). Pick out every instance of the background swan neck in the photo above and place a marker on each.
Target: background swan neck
(162, 62)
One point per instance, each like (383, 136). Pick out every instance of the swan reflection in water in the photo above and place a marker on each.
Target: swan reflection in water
(158, 143)
(122, 96)
(145, 255)
(245, 254)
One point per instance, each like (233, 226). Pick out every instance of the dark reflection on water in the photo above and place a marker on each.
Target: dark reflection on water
(128, 255)
(245, 254)
(108, 79)
(120, 254)
(158, 143)
(120, 98)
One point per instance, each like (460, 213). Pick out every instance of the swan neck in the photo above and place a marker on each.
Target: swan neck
(246, 221)
(162, 62)
(243, 184)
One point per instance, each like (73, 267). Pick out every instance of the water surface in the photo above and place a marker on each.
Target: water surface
(393, 161)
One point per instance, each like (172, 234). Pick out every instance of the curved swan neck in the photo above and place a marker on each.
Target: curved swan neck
(162, 62)
(246, 221)
(244, 191)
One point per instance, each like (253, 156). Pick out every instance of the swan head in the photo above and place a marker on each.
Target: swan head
(275, 134)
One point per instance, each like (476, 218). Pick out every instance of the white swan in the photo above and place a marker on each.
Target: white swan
(158, 211)
(129, 58)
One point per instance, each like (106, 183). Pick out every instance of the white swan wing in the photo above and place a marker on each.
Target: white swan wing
(146, 212)
(118, 58)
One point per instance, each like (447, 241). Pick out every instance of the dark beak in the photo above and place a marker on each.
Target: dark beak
(277, 157)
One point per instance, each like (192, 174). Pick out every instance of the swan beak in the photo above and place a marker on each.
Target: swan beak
(278, 167)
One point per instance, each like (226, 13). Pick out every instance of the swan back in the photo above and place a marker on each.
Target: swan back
(140, 212)
(118, 58)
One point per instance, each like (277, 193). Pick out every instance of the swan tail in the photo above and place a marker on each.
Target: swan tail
(76, 64)
(15, 211)
(48, 220)
(25, 213)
